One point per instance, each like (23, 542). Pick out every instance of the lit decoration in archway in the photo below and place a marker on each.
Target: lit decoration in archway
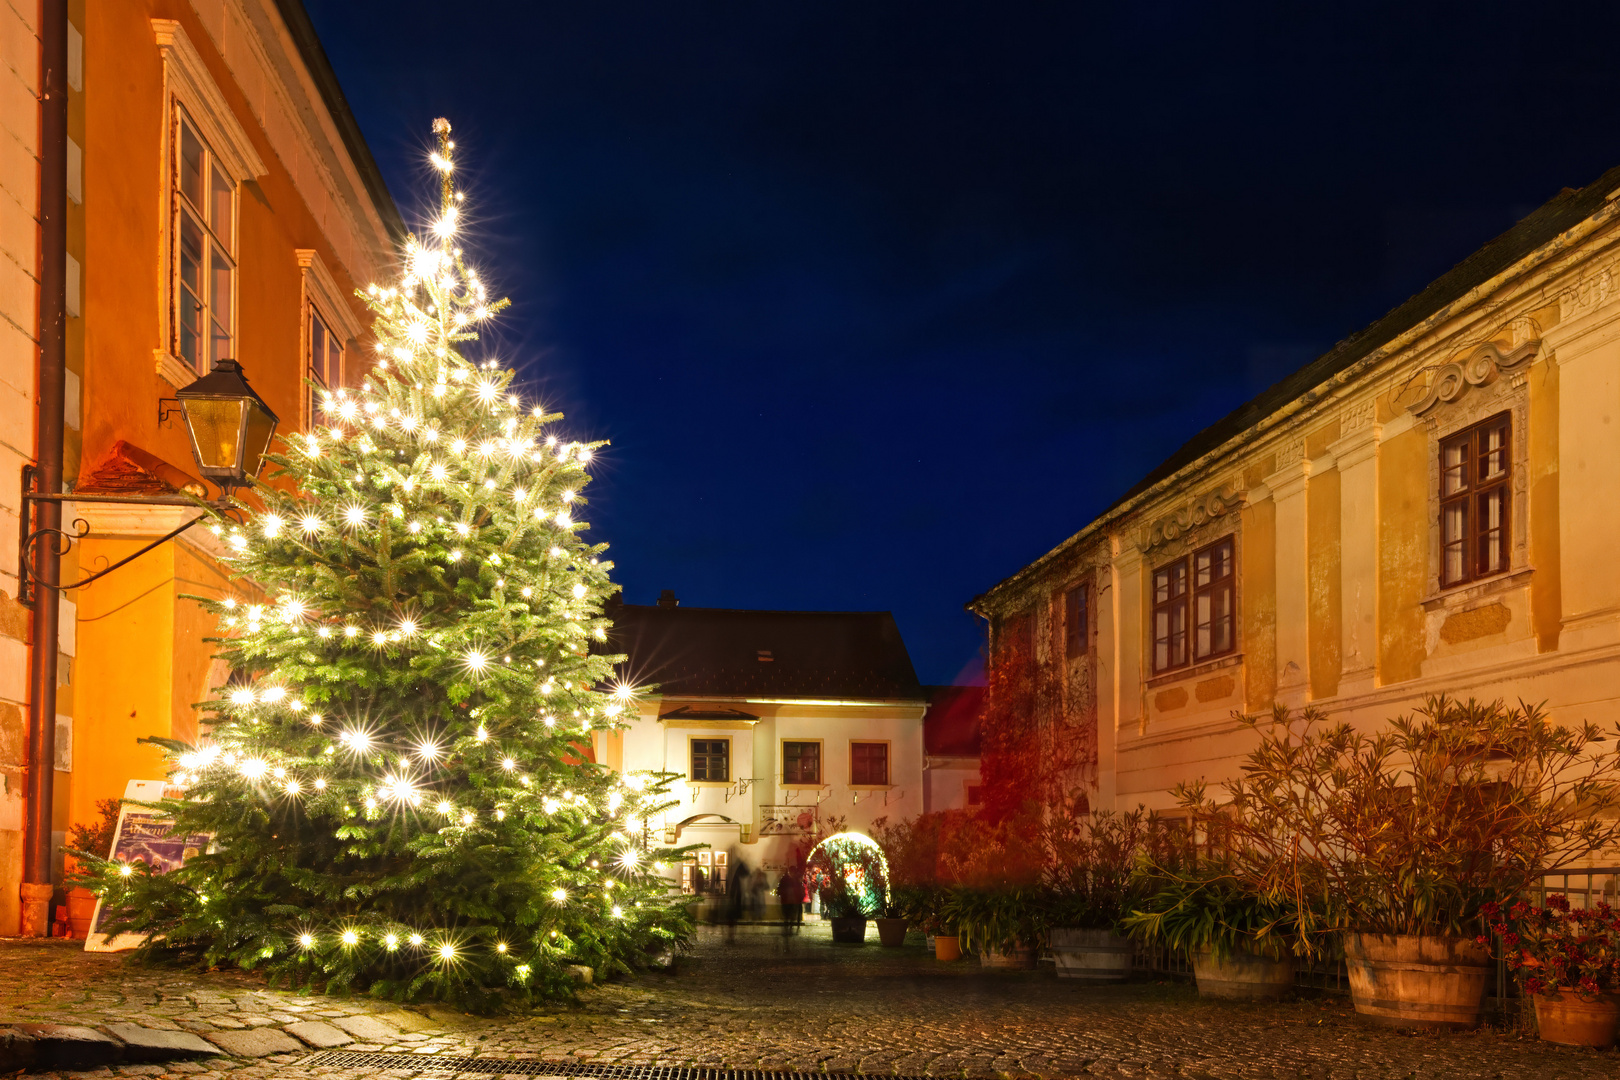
(849, 868)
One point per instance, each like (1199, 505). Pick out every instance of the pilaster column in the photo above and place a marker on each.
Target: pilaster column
(1586, 349)
(1287, 487)
(1357, 456)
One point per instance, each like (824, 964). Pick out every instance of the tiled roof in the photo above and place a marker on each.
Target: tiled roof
(951, 728)
(773, 654)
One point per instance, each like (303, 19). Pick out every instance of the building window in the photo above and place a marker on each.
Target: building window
(205, 247)
(325, 360)
(869, 763)
(1076, 621)
(801, 763)
(711, 760)
(1475, 468)
(1195, 607)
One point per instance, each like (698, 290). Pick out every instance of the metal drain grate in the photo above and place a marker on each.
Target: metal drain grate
(585, 1070)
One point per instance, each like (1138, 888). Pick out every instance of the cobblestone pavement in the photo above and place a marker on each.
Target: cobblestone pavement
(756, 1003)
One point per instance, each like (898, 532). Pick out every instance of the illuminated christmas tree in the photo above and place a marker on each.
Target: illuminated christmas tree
(397, 784)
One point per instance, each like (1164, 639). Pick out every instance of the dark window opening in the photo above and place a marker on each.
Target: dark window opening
(801, 763)
(711, 759)
(868, 763)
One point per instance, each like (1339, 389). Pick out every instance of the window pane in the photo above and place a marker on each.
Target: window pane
(1223, 620)
(1202, 567)
(317, 350)
(1493, 453)
(1221, 560)
(1203, 611)
(869, 763)
(219, 209)
(801, 763)
(1493, 533)
(1161, 640)
(1161, 586)
(1453, 467)
(191, 165)
(1178, 635)
(219, 304)
(334, 361)
(191, 254)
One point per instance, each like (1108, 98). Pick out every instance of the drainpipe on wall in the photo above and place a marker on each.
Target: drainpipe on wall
(53, 117)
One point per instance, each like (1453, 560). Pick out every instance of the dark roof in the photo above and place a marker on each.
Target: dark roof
(776, 654)
(309, 47)
(1559, 214)
(951, 728)
(1569, 208)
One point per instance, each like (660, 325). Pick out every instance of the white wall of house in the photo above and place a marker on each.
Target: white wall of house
(755, 813)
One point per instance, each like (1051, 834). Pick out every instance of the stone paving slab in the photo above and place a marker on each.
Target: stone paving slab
(319, 1034)
(255, 1043)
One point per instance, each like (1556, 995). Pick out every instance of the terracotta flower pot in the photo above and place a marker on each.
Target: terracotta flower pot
(891, 933)
(1570, 1020)
(947, 947)
(1242, 974)
(849, 930)
(81, 907)
(1412, 980)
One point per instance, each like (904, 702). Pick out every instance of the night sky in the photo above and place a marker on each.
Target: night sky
(877, 302)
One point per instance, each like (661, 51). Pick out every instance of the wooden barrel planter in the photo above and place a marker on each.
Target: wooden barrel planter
(1097, 955)
(1017, 959)
(849, 930)
(947, 947)
(1421, 981)
(1571, 1020)
(1241, 974)
(891, 933)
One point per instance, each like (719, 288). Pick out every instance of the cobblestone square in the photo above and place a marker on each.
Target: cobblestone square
(765, 1003)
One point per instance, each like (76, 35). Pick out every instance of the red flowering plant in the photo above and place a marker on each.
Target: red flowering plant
(1558, 947)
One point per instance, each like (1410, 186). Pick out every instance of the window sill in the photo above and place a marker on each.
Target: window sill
(804, 787)
(1455, 596)
(871, 787)
(710, 783)
(1191, 671)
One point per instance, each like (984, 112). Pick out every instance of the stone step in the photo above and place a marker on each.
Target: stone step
(70, 1047)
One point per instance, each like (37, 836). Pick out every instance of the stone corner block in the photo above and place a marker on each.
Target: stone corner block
(367, 1028)
(319, 1034)
(255, 1042)
(143, 1044)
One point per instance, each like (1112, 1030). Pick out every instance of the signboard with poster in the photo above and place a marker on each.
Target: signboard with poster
(143, 835)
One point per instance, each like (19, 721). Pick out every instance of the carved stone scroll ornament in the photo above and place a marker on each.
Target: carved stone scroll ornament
(1453, 380)
(1202, 511)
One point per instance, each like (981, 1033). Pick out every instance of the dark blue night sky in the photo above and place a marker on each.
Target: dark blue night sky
(879, 301)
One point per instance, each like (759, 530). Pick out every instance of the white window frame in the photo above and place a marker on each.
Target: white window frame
(323, 299)
(187, 84)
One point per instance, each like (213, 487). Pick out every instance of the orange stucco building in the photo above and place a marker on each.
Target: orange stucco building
(222, 203)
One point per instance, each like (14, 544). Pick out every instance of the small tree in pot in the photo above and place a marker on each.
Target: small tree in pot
(1566, 960)
(1396, 841)
(1091, 870)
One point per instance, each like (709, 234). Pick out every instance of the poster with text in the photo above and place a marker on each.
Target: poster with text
(144, 836)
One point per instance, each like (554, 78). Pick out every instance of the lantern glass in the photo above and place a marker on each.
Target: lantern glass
(259, 427)
(216, 434)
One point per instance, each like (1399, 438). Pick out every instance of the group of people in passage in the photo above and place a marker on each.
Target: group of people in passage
(745, 895)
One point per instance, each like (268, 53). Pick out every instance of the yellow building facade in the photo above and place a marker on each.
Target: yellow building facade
(1424, 509)
(222, 204)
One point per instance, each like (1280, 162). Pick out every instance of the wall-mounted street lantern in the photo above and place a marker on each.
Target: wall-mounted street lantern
(230, 428)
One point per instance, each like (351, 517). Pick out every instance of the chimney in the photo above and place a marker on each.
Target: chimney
(667, 599)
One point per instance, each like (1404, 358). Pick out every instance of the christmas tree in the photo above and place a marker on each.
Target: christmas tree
(397, 781)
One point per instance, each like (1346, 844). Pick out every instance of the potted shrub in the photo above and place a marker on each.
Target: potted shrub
(1090, 866)
(1394, 842)
(891, 924)
(1568, 961)
(1241, 944)
(1005, 926)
